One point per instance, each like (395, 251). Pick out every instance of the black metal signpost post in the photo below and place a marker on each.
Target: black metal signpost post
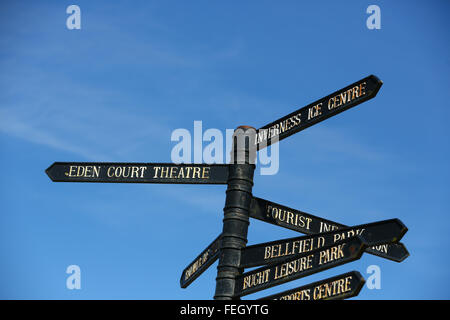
(236, 212)
(327, 244)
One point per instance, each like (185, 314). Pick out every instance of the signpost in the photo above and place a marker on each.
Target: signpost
(344, 286)
(327, 244)
(303, 222)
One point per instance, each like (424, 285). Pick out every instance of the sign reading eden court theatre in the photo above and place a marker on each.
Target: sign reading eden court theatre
(138, 172)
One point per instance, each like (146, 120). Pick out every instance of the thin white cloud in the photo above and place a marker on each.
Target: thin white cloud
(20, 129)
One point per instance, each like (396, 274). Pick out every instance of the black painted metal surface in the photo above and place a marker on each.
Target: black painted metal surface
(303, 222)
(343, 286)
(319, 110)
(376, 233)
(201, 263)
(327, 245)
(299, 266)
(138, 172)
(236, 216)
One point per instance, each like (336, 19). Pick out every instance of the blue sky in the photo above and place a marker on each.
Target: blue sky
(116, 89)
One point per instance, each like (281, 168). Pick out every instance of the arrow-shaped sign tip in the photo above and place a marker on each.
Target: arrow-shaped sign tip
(48, 170)
(406, 254)
(402, 227)
(378, 85)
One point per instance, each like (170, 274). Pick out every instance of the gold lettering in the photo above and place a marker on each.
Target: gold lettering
(127, 170)
(331, 103)
(343, 97)
(205, 172)
(341, 286)
(315, 111)
(80, 174)
(172, 169)
(134, 172)
(331, 254)
(88, 171)
(71, 174)
(295, 246)
(283, 126)
(164, 172)
(362, 88)
(347, 284)
(156, 172)
(188, 169)
(355, 92)
(118, 172)
(346, 96)
(96, 172)
(382, 248)
(324, 256)
(256, 279)
(290, 218)
(324, 227)
(267, 253)
(308, 222)
(181, 173)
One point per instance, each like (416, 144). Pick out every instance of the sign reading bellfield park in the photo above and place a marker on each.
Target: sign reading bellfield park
(326, 244)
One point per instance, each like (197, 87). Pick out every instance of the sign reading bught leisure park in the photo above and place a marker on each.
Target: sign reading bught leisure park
(325, 243)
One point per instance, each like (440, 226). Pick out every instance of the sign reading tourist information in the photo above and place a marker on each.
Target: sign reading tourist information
(319, 110)
(303, 222)
(344, 286)
(373, 234)
(299, 265)
(138, 172)
(201, 263)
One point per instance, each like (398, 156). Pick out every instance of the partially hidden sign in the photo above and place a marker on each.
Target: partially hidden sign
(343, 286)
(307, 223)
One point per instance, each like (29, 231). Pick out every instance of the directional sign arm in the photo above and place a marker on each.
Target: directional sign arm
(306, 223)
(138, 172)
(373, 234)
(201, 263)
(289, 218)
(319, 110)
(343, 286)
